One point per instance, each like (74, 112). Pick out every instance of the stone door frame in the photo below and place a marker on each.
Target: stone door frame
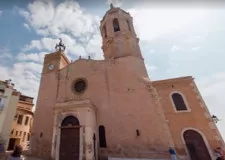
(85, 112)
(70, 131)
(57, 134)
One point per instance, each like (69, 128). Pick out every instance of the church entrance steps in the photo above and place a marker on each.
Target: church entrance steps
(133, 154)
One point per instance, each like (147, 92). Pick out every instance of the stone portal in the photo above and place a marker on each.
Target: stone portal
(70, 139)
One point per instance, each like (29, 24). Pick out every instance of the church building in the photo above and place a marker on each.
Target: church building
(111, 109)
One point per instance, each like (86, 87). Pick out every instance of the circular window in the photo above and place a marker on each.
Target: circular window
(80, 85)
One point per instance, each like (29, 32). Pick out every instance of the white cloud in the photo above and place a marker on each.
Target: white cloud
(66, 17)
(0, 12)
(67, 21)
(212, 89)
(43, 44)
(94, 47)
(25, 75)
(36, 57)
(163, 21)
(90, 47)
(175, 48)
(26, 26)
(4, 72)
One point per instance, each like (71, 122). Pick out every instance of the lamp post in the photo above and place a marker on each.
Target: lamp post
(215, 118)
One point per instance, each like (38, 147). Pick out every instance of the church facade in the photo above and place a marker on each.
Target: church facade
(103, 109)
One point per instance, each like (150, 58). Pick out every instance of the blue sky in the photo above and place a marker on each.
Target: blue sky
(176, 40)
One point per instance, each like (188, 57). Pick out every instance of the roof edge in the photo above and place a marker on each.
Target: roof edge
(173, 80)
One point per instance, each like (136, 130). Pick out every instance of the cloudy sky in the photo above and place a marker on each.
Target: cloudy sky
(177, 39)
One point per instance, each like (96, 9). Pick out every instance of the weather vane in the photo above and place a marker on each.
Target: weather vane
(60, 46)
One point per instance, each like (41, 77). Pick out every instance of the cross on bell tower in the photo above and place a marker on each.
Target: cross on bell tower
(118, 35)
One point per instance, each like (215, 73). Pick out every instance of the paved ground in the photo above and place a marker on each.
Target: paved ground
(5, 156)
(31, 158)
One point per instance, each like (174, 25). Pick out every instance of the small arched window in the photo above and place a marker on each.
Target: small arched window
(128, 24)
(104, 31)
(116, 25)
(179, 102)
(102, 139)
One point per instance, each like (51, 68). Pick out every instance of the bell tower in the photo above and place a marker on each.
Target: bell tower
(118, 35)
(57, 60)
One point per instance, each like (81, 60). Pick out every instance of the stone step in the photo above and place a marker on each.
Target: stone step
(134, 153)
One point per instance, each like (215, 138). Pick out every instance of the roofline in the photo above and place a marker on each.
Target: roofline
(27, 96)
(62, 53)
(65, 57)
(81, 59)
(172, 80)
(25, 110)
(1, 81)
(25, 102)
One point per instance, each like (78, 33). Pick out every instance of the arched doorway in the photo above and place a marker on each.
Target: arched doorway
(69, 139)
(196, 146)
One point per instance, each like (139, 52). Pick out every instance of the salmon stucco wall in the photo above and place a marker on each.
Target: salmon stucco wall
(196, 117)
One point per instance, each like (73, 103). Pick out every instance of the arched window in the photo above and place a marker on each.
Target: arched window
(116, 25)
(102, 139)
(128, 24)
(179, 102)
(104, 31)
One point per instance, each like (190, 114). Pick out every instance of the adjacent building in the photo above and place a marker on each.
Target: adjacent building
(9, 98)
(102, 109)
(16, 117)
(22, 123)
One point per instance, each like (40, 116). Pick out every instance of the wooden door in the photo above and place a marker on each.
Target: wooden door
(196, 146)
(70, 139)
(69, 144)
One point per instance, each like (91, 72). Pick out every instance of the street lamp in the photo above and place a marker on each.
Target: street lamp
(215, 118)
